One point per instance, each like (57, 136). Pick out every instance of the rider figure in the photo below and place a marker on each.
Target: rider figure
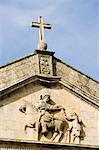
(45, 109)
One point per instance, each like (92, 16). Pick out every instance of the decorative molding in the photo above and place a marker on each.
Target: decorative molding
(11, 144)
(44, 52)
(44, 79)
(48, 80)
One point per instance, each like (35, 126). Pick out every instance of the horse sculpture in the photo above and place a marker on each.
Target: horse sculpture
(34, 120)
(31, 115)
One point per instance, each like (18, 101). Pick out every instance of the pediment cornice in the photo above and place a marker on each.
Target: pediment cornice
(47, 81)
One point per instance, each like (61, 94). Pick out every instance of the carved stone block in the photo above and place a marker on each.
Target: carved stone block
(45, 64)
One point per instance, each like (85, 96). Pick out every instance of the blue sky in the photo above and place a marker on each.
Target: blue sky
(74, 35)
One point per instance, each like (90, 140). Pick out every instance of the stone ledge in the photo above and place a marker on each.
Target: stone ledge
(44, 52)
(48, 80)
(42, 78)
(36, 145)
(69, 66)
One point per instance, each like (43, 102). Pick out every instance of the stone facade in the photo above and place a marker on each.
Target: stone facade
(25, 113)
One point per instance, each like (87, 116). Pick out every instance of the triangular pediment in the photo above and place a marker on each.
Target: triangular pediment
(29, 80)
(13, 120)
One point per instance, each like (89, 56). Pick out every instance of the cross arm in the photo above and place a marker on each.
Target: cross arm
(47, 26)
(35, 24)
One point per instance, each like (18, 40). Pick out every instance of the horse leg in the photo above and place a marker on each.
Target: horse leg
(60, 129)
(54, 136)
(38, 130)
(61, 134)
(29, 126)
(57, 130)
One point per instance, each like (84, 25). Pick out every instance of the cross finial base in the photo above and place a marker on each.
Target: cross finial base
(42, 45)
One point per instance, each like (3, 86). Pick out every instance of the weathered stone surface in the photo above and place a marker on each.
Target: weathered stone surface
(18, 71)
(76, 78)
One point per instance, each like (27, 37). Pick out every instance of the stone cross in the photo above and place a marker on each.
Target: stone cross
(41, 25)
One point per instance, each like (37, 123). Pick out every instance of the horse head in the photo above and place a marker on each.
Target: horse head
(27, 108)
(23, 108)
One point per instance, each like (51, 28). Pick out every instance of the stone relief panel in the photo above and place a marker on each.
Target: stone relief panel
(50, 120)
(57, 115)
(45, 64)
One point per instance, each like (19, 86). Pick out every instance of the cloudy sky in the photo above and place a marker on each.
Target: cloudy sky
(74, 35)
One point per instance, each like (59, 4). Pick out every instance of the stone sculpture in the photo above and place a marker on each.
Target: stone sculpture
(45, 117)
(31, 115)
(74, 130)
(47, 120)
